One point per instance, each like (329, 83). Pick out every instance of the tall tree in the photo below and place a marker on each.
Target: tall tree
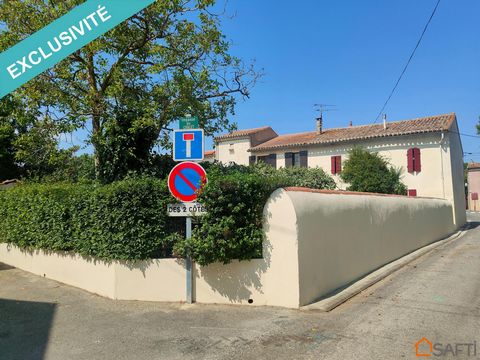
(29, 143)
(168, 60)
(8, 167)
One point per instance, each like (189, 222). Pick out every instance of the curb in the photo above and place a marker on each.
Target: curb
(339, 298)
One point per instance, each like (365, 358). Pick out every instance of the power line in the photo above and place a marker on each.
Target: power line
(408, 62)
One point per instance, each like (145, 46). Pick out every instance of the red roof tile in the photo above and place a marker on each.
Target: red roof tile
(473, 165)
(328, 136)
(209, 153)
(241, 133)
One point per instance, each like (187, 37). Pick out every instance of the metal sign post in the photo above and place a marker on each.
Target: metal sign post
(184, 182)
(188, 262)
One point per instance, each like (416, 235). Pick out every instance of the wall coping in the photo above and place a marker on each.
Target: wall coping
(344, 192)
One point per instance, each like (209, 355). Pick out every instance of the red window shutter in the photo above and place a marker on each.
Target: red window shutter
(412, 192)
(338, 164)
(334, 165)
(410, 160)
(417, 163)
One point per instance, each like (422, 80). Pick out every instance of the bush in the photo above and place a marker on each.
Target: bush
(235, 197)
(370, 172)
(125, 220)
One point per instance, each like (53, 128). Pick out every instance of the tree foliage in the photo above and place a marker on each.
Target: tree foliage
(370, 172)
(127, 86)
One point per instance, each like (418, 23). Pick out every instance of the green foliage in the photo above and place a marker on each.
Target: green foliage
(235, 197)
(29, 145)
(125, 220)
(128, 85)
(370, 172)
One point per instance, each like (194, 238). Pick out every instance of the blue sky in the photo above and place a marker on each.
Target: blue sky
(350, 53)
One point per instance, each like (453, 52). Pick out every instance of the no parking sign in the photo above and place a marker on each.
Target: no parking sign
(185, 180)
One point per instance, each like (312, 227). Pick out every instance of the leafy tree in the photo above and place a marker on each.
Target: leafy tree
(28, 144)
(370, 172)
(168, 60)
(8, 167)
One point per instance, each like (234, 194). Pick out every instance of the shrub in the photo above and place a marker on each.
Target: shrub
(370, 172)
(235, 197)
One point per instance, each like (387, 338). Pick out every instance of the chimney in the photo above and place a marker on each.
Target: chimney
(351, 123)
(319, 124)
(384, 121)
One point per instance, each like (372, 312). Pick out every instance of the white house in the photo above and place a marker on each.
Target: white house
(429, 151)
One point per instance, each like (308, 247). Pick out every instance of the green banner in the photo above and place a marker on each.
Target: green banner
(64, 36)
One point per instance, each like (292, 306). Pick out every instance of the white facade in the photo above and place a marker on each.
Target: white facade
(233, 150)
(441, 174)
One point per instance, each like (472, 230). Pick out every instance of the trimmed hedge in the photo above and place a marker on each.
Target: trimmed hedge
(127, 220)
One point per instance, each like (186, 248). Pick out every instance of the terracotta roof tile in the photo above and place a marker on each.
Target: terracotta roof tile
(328, 136)
(473, 165)
(241, 133)
(209, 153)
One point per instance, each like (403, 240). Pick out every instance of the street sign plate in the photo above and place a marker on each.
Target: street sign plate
(186, 209)
(189, 123)
(185, 180)
(188, 145)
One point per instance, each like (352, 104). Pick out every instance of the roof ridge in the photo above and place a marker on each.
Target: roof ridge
(367, 125)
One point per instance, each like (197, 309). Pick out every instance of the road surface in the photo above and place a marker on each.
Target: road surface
(437, 296)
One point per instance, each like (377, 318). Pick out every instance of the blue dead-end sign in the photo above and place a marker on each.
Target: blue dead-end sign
(185, 180)
(188, 144)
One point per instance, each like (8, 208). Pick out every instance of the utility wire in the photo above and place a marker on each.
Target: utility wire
(408, 62)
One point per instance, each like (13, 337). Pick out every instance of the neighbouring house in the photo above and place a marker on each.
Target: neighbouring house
(473, 181)
(428, 149)
(209, 156)
(234, 147)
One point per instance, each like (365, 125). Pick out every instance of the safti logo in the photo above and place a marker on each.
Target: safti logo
(425, 348)
(421, 344)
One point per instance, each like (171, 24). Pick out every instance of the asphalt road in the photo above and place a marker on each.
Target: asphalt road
(437, 296)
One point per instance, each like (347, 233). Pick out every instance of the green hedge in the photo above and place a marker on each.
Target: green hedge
(127, 220)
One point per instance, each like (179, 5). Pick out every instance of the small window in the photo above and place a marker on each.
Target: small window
(414, 160)
(296, 159)
(336, 164)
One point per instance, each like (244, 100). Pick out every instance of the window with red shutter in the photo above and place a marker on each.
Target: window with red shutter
(336, 163)
(417, 163)
(414, 160)
(410, 160)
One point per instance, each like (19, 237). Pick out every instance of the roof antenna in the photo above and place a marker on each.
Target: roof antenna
(321, 108)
